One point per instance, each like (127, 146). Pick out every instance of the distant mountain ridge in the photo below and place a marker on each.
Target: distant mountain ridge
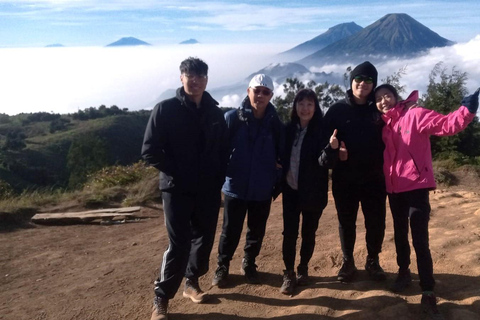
(189, 41)
(393, 36)
(128, 41)
(333, 34)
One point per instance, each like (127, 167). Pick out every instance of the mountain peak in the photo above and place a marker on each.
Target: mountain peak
(332, 35)
(128, 41)
(396, 35)
(189, 41)
(54, 45)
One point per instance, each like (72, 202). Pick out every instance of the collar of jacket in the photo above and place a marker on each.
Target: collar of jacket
(351, 101)
(245, 113)
(207, 99)
(400, 108)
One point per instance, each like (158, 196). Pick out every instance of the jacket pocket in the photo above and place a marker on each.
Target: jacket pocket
(408, 170)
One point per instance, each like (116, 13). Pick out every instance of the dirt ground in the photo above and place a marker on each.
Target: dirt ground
(100, 272)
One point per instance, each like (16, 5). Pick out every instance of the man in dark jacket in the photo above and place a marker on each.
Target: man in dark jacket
(359, 179)
(185, 140)
(256, 136)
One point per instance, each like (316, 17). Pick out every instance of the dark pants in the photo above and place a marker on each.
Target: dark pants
(291, 222)
(191, 222)
(235, 211)
(414, 206)
(372, 197)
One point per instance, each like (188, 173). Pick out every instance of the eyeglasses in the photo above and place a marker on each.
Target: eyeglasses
(265, 92)
(193, 76)
(359, 79)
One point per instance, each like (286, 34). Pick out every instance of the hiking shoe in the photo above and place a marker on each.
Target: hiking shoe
(249, 270)
(289, 280)
(159, 309)
(429, 307)
(374, 270)
(347, 271)
(192, 290)
(403, 280)
(302, 276)
(220, 278)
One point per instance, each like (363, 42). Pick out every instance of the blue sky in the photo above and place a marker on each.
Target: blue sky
(37, 23)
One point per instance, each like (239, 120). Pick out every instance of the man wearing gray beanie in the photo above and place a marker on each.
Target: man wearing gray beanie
(358, 178)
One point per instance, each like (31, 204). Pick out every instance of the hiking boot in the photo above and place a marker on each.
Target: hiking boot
(429, 307)
(220, 278)
(249, 270)
(403, 281)
(192, 290)
(347, 271)
(302, 276)
(374, 270)
(159, 309)
(289, 280)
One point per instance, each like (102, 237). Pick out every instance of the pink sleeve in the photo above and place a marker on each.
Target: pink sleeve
(434, 123)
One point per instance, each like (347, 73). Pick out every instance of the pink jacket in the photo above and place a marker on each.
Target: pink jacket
(407, 156)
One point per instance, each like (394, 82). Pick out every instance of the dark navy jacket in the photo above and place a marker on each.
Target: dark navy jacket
(255, 147)
(187, 144)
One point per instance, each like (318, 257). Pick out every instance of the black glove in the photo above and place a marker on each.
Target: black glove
(471, 102)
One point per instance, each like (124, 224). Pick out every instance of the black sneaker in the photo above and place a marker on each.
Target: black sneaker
(404, 278)
(429, 307)
(193, 292)
(347, 271)
(302, 276)
(289, 280)
(159, 309)
(249, 270)
(374, 270)
(220, 279)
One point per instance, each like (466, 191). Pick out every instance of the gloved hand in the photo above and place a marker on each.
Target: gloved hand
(471, 102)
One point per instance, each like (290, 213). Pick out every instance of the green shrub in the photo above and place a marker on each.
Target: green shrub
(119, 176)
(6, 190)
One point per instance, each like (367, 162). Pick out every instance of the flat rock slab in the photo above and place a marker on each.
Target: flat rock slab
(86, 216)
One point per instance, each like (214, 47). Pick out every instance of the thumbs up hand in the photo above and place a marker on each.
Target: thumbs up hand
(333, 140)
(343, 152)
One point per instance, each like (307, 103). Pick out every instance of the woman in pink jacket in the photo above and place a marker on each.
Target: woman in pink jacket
(409, 177)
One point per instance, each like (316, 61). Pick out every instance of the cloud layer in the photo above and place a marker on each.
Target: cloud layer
(63, 80)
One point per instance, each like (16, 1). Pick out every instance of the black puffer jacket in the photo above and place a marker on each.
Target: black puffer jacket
(360, 127)
(187, 144)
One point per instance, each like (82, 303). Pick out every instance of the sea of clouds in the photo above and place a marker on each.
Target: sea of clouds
(68, 79)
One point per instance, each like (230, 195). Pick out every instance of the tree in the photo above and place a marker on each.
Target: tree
(394, 80)
(87, 154)
(15, 140)
(283, 105)
(444, 94)
(327, 94)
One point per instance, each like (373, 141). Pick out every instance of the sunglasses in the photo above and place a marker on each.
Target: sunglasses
(265, 92)
(359, 79)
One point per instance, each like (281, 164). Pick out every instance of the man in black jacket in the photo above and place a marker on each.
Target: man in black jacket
(359, 178)
(185, 139)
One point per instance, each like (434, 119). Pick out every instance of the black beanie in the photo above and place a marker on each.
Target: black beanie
(364, 69)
